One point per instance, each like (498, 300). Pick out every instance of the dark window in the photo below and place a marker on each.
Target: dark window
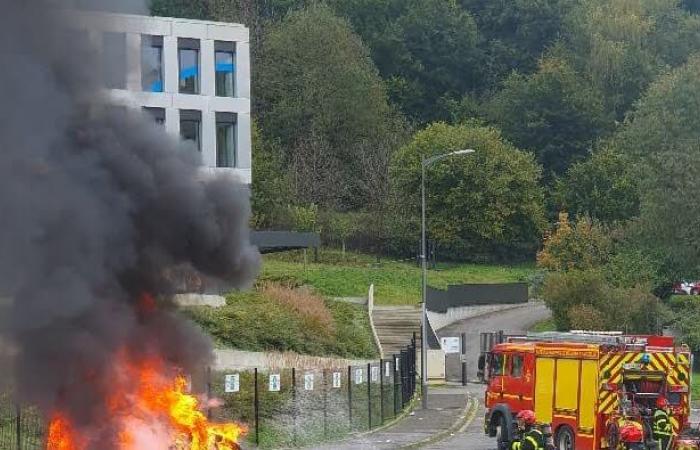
(497, 364)
(225, 140)
(114, 60)
(188, 56)
(191, 127)
(225, 69)
(158, 114)
(516, 366)
(152, 63)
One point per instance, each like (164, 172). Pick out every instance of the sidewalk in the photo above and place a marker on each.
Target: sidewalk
(447, 411)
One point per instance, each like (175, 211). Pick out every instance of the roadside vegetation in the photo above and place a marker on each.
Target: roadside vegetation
(274, 317)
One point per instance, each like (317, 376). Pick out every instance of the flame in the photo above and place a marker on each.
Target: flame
(154, 413)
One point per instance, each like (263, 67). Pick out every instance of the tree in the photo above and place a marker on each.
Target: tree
(585, 245)
(662, 136)
(320, 97)
(426, 50)
(603, 187)
(484, 202)
(515, 37)
(552, 112)
(623, 45)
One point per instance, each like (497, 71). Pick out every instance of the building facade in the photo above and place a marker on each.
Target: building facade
(193, 77)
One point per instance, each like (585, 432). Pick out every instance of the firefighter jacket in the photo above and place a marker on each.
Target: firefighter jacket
(532, 439)
(662, 424)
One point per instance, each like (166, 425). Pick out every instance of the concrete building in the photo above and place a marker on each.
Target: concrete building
(193, 77)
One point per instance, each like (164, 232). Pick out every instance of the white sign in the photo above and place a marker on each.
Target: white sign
(398, 364)
(275, 382)
(309, 382)
(337, 380)
(232, 383)
(358, 376)
(451, 344)
(376, 371)
(387, 369)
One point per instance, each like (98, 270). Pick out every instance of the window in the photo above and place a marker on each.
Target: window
(225, 69)
(497, 364)
(158, 114)
(152, 63)
(191, 127)
(225, 140)
(114, 60)
(188, 56)
(516, 366)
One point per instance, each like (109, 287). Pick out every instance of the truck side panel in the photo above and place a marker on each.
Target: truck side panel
(588, 392)
(544, 389)
(567, 384)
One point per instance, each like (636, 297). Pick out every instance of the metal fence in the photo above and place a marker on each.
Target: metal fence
(281, 408)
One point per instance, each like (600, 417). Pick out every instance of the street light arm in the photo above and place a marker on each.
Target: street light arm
(433, 159)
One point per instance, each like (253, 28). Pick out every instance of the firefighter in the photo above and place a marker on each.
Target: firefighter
(662, 428)
(530, 437)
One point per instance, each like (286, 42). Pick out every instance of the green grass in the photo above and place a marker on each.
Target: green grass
(695, 388)
(544, 325)
(396, 283)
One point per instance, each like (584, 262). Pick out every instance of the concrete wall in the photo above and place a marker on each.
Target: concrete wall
(241, 360)
(170, 99)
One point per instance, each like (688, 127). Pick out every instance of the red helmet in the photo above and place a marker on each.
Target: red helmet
(661, 402)
(631, 433)
(526, 416)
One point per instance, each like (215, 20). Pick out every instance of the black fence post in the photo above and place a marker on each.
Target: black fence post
(350, 396)
(256, 406)
(369, 395)
(208, 391)
(294, 405)
(18, 428)
(381, 391)
(463, 355)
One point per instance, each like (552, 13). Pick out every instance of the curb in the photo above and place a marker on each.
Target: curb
(465, 419)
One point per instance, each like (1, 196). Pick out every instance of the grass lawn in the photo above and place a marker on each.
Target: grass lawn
(544, 325)
(396, 283)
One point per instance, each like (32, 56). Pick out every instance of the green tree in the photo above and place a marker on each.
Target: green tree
(516, 36)
(482, 202)
(603, 187)
(271, 187)
(662, 136)
(552, 113)
(584, 245)
(320, 97)
(623, 45)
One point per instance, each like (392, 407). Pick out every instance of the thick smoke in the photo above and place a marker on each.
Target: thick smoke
(97, 207)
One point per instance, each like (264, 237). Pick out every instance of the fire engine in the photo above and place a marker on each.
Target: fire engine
(588, 386)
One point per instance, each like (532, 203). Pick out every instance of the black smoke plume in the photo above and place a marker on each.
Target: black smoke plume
(97, 207)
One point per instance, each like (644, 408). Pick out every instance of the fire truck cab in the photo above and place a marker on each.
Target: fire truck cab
(586, 385)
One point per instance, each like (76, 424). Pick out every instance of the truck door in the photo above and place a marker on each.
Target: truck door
(517, 387)
(496, 369)
(544, 389)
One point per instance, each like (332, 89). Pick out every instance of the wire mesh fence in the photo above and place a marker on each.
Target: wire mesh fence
(281, 408)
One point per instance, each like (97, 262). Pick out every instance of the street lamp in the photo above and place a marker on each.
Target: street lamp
(424, 262)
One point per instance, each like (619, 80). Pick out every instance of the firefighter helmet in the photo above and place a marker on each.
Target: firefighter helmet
(526, 416)
(661, 402)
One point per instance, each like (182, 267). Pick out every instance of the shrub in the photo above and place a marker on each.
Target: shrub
(586, 317)
(310, 308)
(585, 245)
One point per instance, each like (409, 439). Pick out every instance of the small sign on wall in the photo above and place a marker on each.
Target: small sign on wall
(309, 382)
(387, 369)
(451, 344)
(358, 376)
(275, 382)
(337, 380)
(376, 371)
(232, 383)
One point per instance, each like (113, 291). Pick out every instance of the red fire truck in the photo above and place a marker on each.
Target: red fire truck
(587, 386)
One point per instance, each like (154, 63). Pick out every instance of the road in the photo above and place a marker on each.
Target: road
(514, 320)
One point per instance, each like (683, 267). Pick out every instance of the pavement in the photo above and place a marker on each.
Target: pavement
(454, 418)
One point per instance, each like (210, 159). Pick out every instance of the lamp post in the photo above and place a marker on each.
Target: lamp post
(424, 262)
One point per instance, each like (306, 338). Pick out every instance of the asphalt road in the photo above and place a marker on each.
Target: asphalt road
(513, 320)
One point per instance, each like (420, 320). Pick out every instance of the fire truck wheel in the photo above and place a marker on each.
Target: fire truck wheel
(564, 439)
(502, 434)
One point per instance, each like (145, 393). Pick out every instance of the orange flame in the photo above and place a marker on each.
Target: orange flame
(155, 413)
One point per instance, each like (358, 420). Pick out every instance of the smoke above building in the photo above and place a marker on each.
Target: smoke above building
(98, 208)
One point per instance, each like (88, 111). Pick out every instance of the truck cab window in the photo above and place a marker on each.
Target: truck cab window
(516, 366)
(497, 364)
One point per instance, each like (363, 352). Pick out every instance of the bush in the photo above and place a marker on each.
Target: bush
(585, 245)
(584, 299)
